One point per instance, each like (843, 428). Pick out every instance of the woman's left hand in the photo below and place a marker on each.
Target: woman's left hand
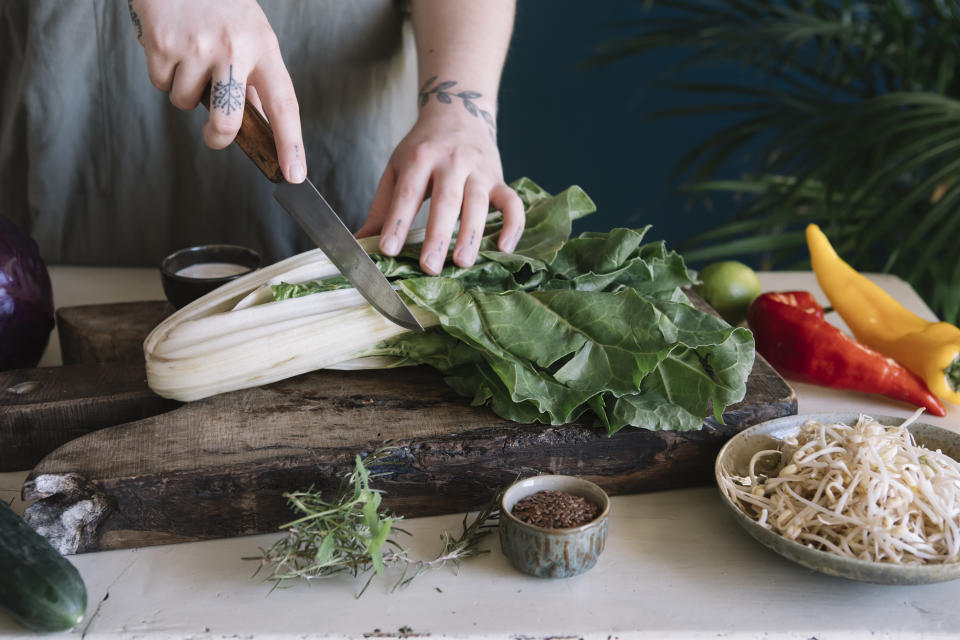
(451, 156)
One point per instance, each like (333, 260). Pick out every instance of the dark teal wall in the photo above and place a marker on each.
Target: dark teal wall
(563, 124)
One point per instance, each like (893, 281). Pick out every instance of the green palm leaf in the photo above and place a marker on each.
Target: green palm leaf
(852, 117)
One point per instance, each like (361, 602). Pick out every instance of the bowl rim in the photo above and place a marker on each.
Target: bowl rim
(795, 547)
(604, 511)
(167, 272)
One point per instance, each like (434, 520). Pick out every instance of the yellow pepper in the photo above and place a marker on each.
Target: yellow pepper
(929, 349)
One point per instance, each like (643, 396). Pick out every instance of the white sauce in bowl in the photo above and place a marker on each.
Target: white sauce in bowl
(212, 270)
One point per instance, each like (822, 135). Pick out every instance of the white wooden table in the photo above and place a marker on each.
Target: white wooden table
(676, 564)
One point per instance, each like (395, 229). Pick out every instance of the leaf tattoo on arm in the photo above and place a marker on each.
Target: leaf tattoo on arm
(442, 90)
(228, 96)
(135, 19)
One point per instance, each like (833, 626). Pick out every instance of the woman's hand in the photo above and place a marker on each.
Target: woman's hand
(193, 43)
(451, 152)
(451, 155)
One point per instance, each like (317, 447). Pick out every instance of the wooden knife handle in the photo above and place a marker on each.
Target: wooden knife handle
(255, 138)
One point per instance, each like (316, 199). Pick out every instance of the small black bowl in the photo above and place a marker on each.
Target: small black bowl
(183, 288)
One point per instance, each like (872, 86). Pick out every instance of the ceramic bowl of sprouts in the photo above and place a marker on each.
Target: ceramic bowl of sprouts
(868, 498)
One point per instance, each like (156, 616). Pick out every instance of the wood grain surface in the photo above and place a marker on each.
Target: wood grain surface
(218, 467)
(102, 384)
(41, 409)
(101, 333)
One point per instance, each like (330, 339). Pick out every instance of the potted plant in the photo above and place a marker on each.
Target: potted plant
(849, 113)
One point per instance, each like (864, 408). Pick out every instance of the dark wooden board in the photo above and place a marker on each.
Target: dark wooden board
(218, 467)
(108, 332)
(103, 383)
(41, 409)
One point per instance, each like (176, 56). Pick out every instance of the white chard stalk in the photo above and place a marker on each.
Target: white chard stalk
(237, 337)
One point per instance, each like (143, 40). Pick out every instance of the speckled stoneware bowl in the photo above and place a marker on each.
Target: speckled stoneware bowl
(735, 456)
(553, 553)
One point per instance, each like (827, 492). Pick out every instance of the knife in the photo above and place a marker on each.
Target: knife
(318, 219)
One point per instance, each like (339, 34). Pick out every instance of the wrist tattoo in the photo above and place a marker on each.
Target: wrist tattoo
(442, 90)
(135, 19)
(228, 96)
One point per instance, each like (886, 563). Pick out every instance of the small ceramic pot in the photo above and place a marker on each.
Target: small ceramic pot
(553, 553)
(182, 288)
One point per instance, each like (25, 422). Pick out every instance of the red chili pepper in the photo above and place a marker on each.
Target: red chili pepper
(792, 335)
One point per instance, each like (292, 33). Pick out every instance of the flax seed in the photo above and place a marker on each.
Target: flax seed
(555, 510)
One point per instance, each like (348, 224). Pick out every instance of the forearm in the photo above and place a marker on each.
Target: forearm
(450, 154)
(462, 41)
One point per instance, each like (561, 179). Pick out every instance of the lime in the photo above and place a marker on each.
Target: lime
(729, 287)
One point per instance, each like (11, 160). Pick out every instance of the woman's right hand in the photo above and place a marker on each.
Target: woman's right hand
(193, 43)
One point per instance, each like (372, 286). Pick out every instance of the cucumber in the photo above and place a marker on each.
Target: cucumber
(39, 588)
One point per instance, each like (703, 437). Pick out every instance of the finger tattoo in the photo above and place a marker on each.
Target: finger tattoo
(228, 96)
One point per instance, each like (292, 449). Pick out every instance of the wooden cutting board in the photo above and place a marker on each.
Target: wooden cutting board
(42, 409)
(103, 382)
(218, 467)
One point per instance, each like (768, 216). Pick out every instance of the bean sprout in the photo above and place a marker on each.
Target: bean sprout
(864, 491)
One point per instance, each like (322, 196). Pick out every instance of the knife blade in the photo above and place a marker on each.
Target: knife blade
(317, 218)
(314, 214)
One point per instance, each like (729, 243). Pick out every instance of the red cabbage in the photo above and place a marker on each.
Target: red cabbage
(26, 299)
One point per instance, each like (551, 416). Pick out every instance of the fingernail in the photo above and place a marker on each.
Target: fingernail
(462, 258)
(433, 263)
(390, 245)
(297, 173)
(511, 243)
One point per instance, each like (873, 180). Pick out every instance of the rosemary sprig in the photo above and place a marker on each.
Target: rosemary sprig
(457, 549)
(351, 534)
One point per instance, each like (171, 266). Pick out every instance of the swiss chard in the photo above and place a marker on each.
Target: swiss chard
(562, 327)
(558, 329)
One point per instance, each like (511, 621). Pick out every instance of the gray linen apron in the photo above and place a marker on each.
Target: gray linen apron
(101, 169)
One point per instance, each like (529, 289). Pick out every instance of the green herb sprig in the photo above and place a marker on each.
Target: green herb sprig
(456, 549)
(351, 534)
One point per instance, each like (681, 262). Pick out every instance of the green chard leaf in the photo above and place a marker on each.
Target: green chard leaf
(548, 225)
(672, 396)
(658, 364)
(285, 290)
(530, 192)
(607, 262)
(565, 327)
